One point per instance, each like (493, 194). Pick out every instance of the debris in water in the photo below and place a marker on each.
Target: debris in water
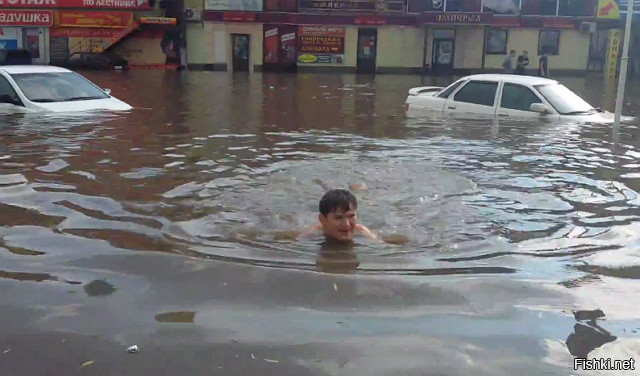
(53, 166)
(358, 187)
(271, 87)
(6, 351)
(133, 349)
(253, 357)
(271, 360)
(87, 363)
(335, 287)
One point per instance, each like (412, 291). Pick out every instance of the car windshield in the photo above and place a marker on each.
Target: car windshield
(565, 101)
(57, 87)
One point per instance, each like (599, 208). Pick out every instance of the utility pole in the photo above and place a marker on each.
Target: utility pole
(624, 63)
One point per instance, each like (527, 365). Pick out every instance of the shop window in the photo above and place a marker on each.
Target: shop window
(584, 8)
(549, 42)
(539, 7)
(516, 97)
(464, 6)
(496, 43)
(428, 5)
(477, 92)
(502, 6)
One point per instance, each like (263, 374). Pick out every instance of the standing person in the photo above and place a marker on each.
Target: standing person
(508, 62)
(543, 66)
(523, 62)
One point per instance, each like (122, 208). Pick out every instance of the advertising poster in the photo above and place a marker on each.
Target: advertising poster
(288, 46)
(8, 38)
(320, 44)
(271, 45)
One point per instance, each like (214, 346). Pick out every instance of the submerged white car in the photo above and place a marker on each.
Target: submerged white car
(33, 88)
(505, 95)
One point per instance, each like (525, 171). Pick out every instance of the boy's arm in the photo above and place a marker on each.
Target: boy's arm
(367, 233)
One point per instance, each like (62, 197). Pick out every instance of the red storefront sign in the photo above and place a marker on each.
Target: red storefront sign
(26, 18)
(78, 32)
(115, 4)
(558, 23)
(159, 21)
(381, 6)
(370, 20)
(239, 16)
(459, 18)
(94, 19)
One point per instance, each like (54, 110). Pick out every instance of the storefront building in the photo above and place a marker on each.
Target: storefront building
(391, 36)
(28, 30)
(54, 30)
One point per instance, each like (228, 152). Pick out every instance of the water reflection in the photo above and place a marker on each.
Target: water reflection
(337, 257)
(178, 316)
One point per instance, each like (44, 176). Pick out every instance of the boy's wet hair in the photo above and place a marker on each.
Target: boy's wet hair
(337, 199)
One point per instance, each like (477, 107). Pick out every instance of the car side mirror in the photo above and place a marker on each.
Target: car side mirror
(108, 91)
(539, 108)
(8, 99)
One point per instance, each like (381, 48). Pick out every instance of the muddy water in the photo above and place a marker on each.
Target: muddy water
(513, 245)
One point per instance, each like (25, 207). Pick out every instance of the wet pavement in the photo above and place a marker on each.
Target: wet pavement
(515, 243)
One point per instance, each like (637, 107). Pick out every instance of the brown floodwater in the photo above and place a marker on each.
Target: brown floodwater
(513, 245)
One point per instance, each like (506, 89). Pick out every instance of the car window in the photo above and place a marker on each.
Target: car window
(565, 101)
(57, 87)
(446, 92)
(477, 92)
(518, 97)
(7, 89)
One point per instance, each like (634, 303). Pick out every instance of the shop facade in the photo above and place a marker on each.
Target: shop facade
(27, 30)
(391, 36)
(53, 30)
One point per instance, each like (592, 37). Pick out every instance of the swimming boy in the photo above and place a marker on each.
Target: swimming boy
(337, 217)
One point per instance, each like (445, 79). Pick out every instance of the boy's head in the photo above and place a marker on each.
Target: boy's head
(338, 214)
(512, 52)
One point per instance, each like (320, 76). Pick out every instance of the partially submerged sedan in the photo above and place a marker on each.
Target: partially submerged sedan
(505, 95)
(32, 88)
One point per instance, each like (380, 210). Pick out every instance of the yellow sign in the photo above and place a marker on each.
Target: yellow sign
(158, 21)
(608, 10)
(307, 58)
(612, 53)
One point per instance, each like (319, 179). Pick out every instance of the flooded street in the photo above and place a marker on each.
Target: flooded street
(174, 228)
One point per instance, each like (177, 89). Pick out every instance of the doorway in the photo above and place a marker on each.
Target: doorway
(367, 46)
(444, 45)
(240, 45)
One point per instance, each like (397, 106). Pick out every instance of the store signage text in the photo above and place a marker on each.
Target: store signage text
(26, 18)
(118, 4)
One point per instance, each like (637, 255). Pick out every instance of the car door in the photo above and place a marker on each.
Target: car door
(516, 101)
(475, 97)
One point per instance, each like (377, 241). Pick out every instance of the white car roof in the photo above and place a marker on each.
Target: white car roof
(19, 69)
(516, 79)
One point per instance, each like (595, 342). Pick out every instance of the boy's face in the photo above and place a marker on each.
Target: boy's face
(339, 224)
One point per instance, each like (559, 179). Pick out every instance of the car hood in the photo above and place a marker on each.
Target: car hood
(111, 104)
(605, 117)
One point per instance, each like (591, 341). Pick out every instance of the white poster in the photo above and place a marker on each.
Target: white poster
(8, 33)
(247, 5)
